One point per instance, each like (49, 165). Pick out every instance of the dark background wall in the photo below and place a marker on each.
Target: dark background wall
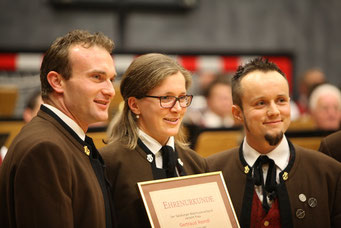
(309, 29)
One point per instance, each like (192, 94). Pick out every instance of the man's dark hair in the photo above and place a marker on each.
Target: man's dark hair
(256, 64)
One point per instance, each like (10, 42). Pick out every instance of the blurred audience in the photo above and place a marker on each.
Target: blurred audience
(32, 106)
(308, 81)
(219, 104)
(216, 112)
(31, 109)
(325, 107)
(201, 80)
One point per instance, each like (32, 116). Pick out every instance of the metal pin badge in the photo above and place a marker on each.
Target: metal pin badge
(246, 169)
(150, 158)
(312, 202)
(300, 213)
(302, 197)
(285, 176)
(86, 150)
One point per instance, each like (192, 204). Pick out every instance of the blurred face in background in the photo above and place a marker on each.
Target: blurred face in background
(220, 100)
(327, 113)
(30, 113)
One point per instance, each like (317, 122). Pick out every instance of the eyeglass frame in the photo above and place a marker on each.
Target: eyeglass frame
(176, 100)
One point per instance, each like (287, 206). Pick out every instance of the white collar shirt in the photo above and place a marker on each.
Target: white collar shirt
(68, 121)
(280, 155)
(154, 146)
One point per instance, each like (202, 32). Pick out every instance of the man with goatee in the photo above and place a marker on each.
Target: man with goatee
(271, 182)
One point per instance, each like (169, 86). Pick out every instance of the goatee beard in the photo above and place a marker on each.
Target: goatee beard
(273, 140)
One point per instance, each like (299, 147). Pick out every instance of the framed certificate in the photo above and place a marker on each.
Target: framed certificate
(200, 200)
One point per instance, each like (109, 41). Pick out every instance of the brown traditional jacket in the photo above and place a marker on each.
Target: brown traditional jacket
(46, 180)
(125, 168)
(313, 186)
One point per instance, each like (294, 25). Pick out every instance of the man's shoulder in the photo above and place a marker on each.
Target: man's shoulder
(317, 158)
(334, 138)
(224, 154)
(220, 160)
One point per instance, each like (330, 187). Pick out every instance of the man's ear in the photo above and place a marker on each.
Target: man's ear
(237, 113)
(133, 105)
(56, 81)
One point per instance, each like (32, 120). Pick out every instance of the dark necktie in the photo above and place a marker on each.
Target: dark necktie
(98, 167)
(169, 160)
(269, 188)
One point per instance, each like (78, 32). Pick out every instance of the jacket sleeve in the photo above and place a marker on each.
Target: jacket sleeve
(42, 188)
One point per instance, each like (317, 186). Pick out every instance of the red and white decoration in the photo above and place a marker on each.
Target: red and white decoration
(216, 63)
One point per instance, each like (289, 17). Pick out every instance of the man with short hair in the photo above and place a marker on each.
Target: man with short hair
(271, 182)
(52, 175)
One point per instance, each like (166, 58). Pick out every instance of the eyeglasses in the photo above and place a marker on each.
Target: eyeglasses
(169, 101)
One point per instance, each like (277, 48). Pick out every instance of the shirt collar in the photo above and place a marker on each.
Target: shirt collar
(280, 154)
(153, 145)
(70, 122)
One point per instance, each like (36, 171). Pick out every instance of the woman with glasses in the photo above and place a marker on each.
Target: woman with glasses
(147, 141)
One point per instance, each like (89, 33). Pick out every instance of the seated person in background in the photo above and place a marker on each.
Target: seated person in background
(309, 80)
(217, 112)
(32, 106)
(147, 142)
(30, 111)
(201, 80)
(331, 145)
(272, 182)
(325, 107)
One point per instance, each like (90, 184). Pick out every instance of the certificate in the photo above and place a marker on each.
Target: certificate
(195, 201)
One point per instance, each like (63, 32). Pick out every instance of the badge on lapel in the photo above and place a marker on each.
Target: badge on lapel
(150, 158)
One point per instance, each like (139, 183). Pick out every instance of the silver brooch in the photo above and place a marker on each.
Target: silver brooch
(180, 162)
(150, 158)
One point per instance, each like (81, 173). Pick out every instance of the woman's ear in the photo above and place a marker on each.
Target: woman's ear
(133, 105)
(237, 113)
(56, 81)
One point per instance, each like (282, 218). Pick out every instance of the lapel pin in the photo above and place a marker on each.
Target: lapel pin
(150, 158)
(86, 150)
(312, 202)
(302, 197)
(246, 169)
(300, 213)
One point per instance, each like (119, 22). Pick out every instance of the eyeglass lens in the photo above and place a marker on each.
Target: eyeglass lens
(169, 101)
